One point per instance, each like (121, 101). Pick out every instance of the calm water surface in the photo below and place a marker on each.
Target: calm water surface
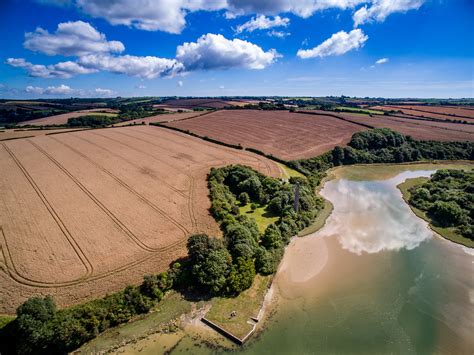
(373, 280)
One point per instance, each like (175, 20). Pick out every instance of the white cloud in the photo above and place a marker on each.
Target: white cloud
(213, 51)
(382, 61)
(62, 70)
(301, 8)
(51, 90)
(278, 34)
(180, 83)
(162, 15)
(380, 9)
(140, 87)
(148, 67)
(262, 23)
(104, 92)
(71, 39)
(34, 90)
(339, 43)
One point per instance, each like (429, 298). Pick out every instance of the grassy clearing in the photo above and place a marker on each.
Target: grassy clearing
(170, 308)
(4, 320)
(246, 305)
(320, 220)
(288, 172)
(448, 233)
(263, 217)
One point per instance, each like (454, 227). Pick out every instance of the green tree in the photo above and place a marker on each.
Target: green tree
(241, 276)
(446, 213)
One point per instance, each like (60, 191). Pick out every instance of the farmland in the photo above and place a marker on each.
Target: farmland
(166, 117)
(86, 213)
(418, 129)
(283, 134)
(195, 103)
(28, 133)
(63, 118)
(437, 112)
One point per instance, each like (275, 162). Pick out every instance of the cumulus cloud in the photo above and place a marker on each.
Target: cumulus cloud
(147, 67)
(262, 23)
(339, 43)
(104, 92)
(71, 39)
(62, 70)
(51, 90)
(278, 34)
(162, 15)
(214, 51)
(140, 87)
(301, 8)
(380, 9)
(382, 61)
(180, 83)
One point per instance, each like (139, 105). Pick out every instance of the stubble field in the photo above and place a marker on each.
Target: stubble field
(283, 134)
(84, 214)
(437, 112)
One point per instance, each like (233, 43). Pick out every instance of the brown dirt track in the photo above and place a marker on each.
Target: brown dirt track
(84, 214)
(283, 134)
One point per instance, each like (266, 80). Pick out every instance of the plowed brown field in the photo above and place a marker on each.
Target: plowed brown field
(84, 214)
(418, 129)
(283, 134)
(438, 112)
(165, 117)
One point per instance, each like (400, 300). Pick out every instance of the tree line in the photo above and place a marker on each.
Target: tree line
(382, 145)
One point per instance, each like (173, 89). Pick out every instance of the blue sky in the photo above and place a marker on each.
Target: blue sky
(381, 48)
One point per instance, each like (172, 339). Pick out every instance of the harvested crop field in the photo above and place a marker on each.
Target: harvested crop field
(283, 134)
(86, 213)
(194, 103)
(418, 129)
(165, 117)
(437, 112)
(62, 118)
(26, 133)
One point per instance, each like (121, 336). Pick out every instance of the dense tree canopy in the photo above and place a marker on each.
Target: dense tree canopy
(448, 198)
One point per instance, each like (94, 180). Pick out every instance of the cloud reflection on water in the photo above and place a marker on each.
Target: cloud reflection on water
(371, 216)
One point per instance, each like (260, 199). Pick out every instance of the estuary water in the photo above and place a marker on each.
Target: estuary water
(374, 280)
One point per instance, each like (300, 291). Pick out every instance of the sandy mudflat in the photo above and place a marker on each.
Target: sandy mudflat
(304, 259)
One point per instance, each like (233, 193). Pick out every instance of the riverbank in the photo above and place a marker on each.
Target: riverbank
(306, 260)
(447, 233)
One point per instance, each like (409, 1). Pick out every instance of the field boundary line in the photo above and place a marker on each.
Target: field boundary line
(128, 187)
